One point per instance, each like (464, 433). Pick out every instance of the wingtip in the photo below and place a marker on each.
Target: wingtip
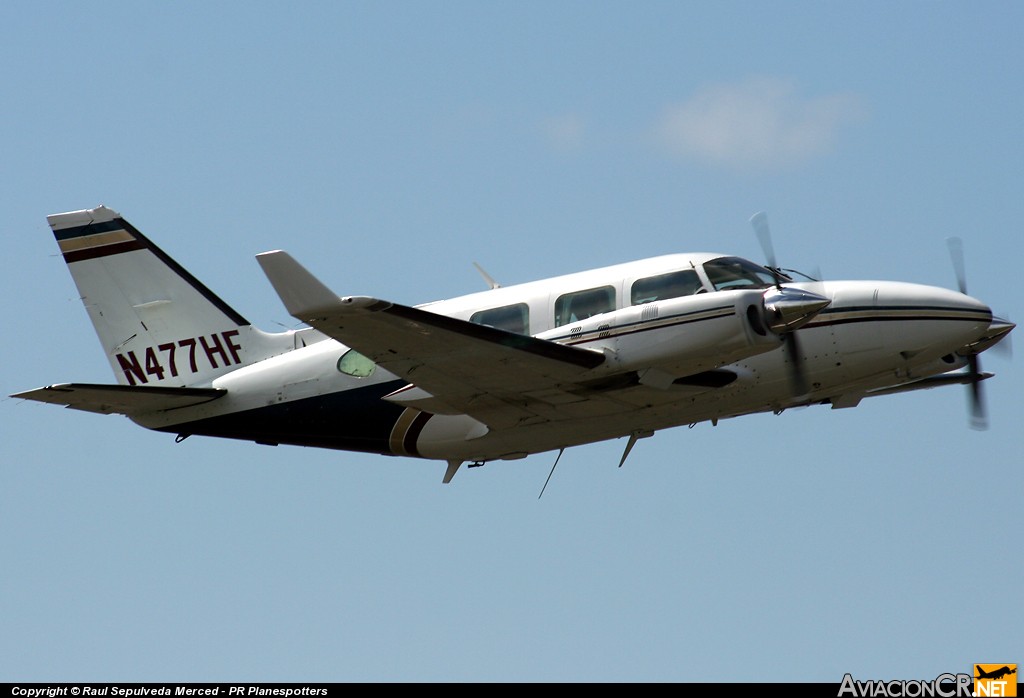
(301, 292)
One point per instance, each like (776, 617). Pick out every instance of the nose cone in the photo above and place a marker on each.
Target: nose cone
(998, 329)
(787, 309)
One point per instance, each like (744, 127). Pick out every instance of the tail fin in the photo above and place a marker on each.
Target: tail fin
(157, 323)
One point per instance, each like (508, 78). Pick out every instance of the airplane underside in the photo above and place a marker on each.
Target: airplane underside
(361, 420)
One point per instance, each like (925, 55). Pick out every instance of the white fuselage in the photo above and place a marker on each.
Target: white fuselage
(874, 334)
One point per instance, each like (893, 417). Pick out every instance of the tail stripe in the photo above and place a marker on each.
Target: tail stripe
(95, 240)
(100, 249)
(113, 237)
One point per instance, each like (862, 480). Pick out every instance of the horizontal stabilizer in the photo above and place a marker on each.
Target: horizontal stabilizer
(120, 399)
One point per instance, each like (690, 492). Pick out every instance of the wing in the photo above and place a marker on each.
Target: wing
(455, 366)
(120, 399)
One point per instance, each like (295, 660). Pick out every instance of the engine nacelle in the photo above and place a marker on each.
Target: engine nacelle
(680, 336)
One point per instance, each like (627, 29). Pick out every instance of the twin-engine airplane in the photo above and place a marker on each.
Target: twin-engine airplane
(501, 374)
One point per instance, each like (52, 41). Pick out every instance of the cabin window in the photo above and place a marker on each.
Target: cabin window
(573, 307)
(733, 272)
(672, 285)
(352, 363)
(513, 318)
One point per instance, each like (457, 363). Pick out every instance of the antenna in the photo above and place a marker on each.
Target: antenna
(560, 452)
(487, 277)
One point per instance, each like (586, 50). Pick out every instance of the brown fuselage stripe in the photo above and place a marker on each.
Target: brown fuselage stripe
(407, 429)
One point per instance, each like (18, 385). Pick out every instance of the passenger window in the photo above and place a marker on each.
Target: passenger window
(671, 285)
(513, 318)
(573, 307)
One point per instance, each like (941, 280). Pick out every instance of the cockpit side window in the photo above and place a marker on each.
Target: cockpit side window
(671, 285)
(579, 305)
(514, 318)
(734, 272)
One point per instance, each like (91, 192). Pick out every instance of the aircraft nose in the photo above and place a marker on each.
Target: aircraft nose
(933, 316)
(998, 329)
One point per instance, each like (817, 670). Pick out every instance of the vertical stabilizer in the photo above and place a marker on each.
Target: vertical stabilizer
(158, 324)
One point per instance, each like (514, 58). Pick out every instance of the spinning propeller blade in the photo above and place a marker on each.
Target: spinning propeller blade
(801, 305)
(976, 400)
(979, 418)
(764, 235)
(797, 373)
(956, 253)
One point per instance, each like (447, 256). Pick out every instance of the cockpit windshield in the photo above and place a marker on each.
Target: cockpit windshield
(735, 272)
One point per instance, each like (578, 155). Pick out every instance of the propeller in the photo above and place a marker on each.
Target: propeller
(764, 235)
(797, 372)
(979, 418)
(790, 307)
(1004, 345)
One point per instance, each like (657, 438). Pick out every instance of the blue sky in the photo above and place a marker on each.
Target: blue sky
(388, 145)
